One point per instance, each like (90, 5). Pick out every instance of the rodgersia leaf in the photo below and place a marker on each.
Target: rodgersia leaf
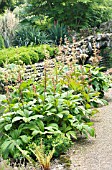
(8, 127)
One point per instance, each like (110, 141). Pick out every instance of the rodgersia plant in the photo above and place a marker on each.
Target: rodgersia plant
(59, 105)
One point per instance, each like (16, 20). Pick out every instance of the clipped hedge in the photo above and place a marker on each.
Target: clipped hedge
(26, 55)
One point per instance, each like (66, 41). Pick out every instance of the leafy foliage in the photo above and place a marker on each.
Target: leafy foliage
(30, 35)
(58, 32)
(58, 105)
(2, 45)
(26, 55)
(43, 159)
(76, 14)
(8, 23)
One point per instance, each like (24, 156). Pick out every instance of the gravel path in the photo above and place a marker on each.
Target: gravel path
(96, 153)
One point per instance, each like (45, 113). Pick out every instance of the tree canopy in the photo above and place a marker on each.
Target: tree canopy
(74, 13)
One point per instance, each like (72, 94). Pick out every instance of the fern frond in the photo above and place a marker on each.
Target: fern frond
(42, 158)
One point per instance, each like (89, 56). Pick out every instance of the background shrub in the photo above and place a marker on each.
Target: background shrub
(56, 32)
(2, 45)
(30, 35)
(27, 55)
(8, 24)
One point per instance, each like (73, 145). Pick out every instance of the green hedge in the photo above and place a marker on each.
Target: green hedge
(26, 55)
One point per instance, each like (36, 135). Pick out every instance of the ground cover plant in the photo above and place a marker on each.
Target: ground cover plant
(56, 109)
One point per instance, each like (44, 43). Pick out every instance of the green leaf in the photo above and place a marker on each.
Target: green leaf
(15, 119)
(25, 138)
(65, 112)
(90, 130)
(70, 116)
(94, 111)
(8, 114)
(59, 115)
(24, 84)
(11, 148)
(49, 113)
(5, 145)
(25, 119)
(35, 132)
(35, 117)
(19, 141)
(88, 106)
(15, 133)
(90, 123)
(79, 127)
(16, 106)
(73, 134)
(20, 112)
(49, 106)
(31, 102)
(68, 128)
(2, 97)
(53, 125)
(1, 120)
(40, 125)
(7, 127)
